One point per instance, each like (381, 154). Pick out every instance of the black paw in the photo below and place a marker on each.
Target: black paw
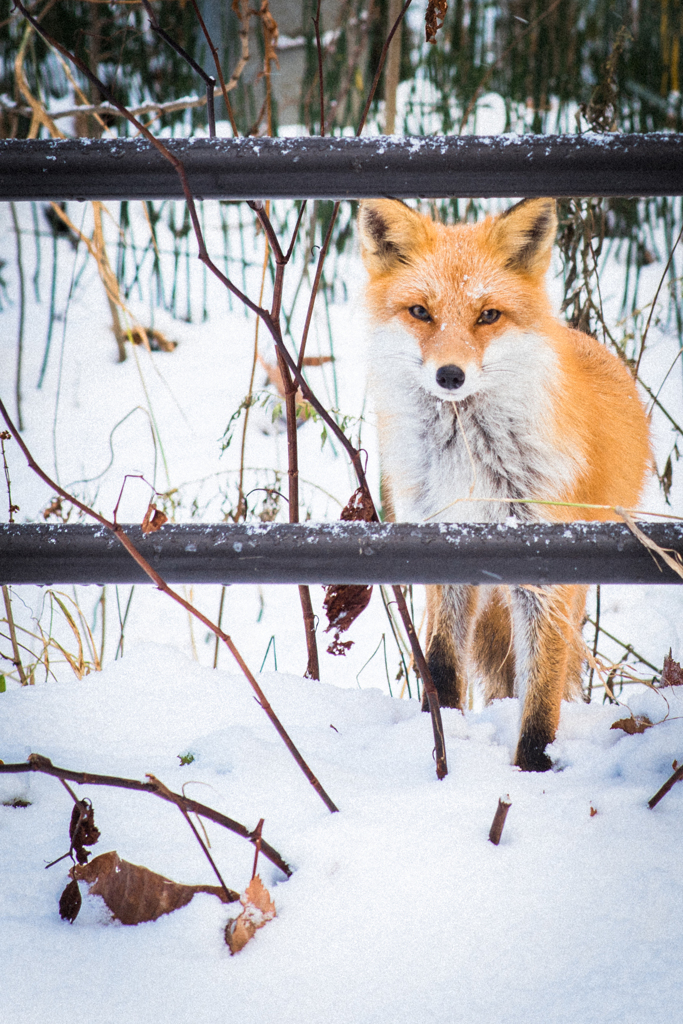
(531, 755)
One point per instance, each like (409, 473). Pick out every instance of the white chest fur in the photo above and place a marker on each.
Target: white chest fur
(461, 461)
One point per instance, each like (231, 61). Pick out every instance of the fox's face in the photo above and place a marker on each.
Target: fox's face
(459, 304)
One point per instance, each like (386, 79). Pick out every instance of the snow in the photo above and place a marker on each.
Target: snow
(398, 909)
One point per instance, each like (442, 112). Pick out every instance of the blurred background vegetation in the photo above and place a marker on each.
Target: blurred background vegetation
(558, 66)
(547, 58)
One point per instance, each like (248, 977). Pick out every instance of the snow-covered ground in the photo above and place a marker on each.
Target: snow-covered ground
(399, 909)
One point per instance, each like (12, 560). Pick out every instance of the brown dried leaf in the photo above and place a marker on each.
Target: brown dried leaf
(70, 902)
(258, 910)
(55, 508)
(134, 893)
(634, 724)
(274, 377)
(594, 811)
(344, 602)
(434, 18)
(82, 830)
(359, 507)
(153, 519)
(339, 647)
(672, 673)
(152, 339)
(317, 360)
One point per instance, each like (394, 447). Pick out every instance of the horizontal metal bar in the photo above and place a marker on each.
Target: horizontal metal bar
(340, 553)
(345, 168)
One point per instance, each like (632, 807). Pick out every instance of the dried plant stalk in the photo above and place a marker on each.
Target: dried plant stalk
(499, 820)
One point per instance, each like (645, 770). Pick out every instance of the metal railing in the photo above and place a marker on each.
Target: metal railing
(341, 552)
(345, 168)
(334, 168)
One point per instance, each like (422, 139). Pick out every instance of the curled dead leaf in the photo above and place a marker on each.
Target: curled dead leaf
(344, 602)
(594, 811)
(153, 519)
(434, 18)
(672, 673)
(55, 508)
(134, 893)
(82, 830)
(634, 724)
(152, 339)
(258, 910)
(70, 902)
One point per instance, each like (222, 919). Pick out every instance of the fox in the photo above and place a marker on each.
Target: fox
(486, 403)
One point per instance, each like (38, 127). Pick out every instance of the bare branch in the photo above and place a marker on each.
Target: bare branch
(208, 80)
(38, 763)
(219, 69)
(380, 66)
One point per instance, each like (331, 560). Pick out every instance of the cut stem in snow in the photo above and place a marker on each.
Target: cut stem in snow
(499, 817)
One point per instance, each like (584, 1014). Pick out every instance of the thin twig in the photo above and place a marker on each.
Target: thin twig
(428, 684)
(11, 507)
(654, 302)
(316, 23)
(380, 66)
(209, 80)
(38, 763)
(669, 784)
(163, 790)
(316, 284)
(22, 311)
(16, 660)
(257, 837)
(595, 641)
(219, 69)
(220, 623)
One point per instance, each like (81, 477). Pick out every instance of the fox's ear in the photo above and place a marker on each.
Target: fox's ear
(389, 233)
(525, 233)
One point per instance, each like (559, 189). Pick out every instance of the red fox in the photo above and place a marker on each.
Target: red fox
(482, 395)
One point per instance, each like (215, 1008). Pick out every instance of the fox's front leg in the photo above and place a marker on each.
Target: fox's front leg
(547, 626)
(451, 612)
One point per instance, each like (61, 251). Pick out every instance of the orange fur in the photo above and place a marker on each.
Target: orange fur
(483, 394)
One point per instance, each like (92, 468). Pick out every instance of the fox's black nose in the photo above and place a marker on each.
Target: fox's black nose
(450, 377)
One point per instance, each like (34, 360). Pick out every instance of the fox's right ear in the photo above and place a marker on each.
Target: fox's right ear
(389, 233)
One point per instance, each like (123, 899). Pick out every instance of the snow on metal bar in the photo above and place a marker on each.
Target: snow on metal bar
(346, 168)
(341, 553)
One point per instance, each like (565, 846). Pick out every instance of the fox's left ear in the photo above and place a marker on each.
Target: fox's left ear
(525, 234)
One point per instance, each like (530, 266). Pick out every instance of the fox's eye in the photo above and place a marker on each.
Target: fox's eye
(420, 313)
(489, 316)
